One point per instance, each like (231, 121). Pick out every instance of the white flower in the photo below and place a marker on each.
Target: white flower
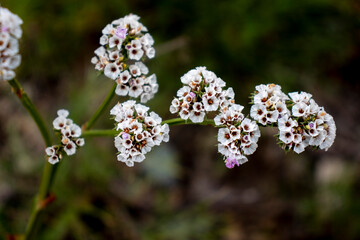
(100, 52)
(272, 116)
(300, 97)
(80, 142)
(281, 108)
(70, 148)
(299, 109)
(286, 124)
(75, 130)
(63, 113)
(143, 68)
(115, 42)
(197, 116)
(184, 113)
(210, 104)
(147, 40)
(134, 70)
(150, 52)
(124, 77)
(249, 149)
(135, 91)
(330, 129)
(224, 136)
(247, 125)
(286, 137)
(10, 32)
(139, 131)
(59, 122)
(50, 151)
(122, 90)
(299, 147)
(53, 159)
(135, 53)
(261, 97)
(258, 111)
(129, 162)
(104, 40)
(112, 71)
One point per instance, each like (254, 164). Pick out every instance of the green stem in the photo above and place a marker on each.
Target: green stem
(99, 133)
(101, 109)
(180, 121)
(49, 170)
(25, 100)
(170, 122)
(42, 199)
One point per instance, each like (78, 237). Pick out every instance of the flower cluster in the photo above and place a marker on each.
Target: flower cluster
(300, 120)
(70, 137)
(139, 131)
(202, 92)
(238, 138)
(269, 104)
(133, 82)
(307, 124)
(126, 39)
(10, 32)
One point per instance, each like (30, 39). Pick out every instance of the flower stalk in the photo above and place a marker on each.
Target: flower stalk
(101, 109)
(30, 107)
(170, 122)
(49, 170)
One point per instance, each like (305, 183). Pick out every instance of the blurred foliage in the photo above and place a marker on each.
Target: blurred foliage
(182, 190)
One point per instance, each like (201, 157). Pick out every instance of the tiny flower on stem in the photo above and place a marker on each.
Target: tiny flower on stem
(139, 131)
(70, 137)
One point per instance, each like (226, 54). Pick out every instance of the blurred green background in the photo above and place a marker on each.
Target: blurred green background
(183, 190)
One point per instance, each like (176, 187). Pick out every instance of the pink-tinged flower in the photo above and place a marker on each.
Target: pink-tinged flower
(121, 32)
(4, 29)
(125, 136)
(231, 162)
(192, 95)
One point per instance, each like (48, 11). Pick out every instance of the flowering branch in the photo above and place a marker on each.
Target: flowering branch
(125, 44)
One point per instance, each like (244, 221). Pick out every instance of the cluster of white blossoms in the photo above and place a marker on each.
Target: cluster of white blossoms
(133, 82)
(269, 104)
(300, 120)
(127, 40)
(238, 138)
(306, 125)
(202, 92)
(10, 32)
(70, 137)
(139, 131)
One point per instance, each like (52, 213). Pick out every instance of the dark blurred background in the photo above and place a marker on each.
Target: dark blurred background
(183, 190)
